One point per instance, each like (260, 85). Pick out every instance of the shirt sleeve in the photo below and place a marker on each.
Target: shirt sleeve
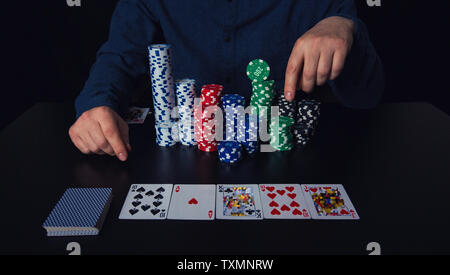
(362, 82)
(121, 60)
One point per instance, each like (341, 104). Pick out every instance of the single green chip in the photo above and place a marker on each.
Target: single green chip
(258, 70)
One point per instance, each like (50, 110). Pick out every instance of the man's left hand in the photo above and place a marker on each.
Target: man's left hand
(319, 55)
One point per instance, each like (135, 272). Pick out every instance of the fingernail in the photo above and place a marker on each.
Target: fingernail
(122, 157)
(289, 96)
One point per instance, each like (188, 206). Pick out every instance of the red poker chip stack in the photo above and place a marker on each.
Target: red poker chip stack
(204, 120)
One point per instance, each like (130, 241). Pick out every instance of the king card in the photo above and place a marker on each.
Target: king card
(238, 202)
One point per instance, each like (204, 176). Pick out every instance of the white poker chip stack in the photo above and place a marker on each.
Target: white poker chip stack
(163, 94)
(185, 90)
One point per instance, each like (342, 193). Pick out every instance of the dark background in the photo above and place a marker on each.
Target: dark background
(48, 49)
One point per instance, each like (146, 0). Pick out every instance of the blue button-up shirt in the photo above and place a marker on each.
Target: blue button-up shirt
(214, 40)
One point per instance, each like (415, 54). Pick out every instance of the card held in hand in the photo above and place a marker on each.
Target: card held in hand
(147, 202)
(79, 212)
(283, 201)
(329, 202)
(238, 202)
(136, 115)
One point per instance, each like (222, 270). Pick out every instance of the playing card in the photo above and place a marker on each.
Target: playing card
(283, 201)
(238, 202)
(136, 115)
(79, 212)
(192, 202)
(147, 202)
(329, 202)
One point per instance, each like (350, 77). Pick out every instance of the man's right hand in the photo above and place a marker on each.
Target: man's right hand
(101, 131)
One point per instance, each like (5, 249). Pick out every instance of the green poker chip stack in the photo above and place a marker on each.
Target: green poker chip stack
(263, 95)
(281, 137)
(263, 90)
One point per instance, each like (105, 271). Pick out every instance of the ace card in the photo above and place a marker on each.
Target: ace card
(238, 202)
(283, 201)
(192, 202)
(329, 202)
(147, 202)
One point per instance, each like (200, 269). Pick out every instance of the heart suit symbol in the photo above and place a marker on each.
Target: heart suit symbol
(272, 195)
(193, 201)
(275, 212)
(274, 204)
(290, 188)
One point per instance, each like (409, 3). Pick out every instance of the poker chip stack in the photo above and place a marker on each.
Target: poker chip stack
(248, 133)
(287, 108)
(258, 72)
(204, 121)
(281, 137)
(307, 121)
(233, 106)
(185, 90)
(163, 94)
(230, 151)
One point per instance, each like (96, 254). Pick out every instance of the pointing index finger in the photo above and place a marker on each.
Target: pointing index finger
(112, 134)
(293, 69)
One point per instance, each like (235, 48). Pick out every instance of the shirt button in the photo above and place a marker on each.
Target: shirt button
(230, 1)
(227, 39)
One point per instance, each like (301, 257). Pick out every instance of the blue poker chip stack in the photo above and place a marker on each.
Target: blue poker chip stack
(230, 151)
(163, 94)
(79, 212)
(248, 133)
(233, 105)
(185, 90)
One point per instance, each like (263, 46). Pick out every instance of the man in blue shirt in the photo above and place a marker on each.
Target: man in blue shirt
(308, 43)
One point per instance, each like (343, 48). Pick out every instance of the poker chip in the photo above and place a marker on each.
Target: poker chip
(185, 91)
(307, 121)
(258, 70)
(211, 94)
(205, 122)
(247, 133)
(233, 106)
(230, 151)
(262, 97)
(287, 108)
(166, 134)
(281, 137)
(163, 94)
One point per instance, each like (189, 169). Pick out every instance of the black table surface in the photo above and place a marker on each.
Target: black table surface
(394, 162)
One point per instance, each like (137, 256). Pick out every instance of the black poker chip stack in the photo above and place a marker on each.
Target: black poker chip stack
(307, 120)
(287, 108)
(305, 110)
